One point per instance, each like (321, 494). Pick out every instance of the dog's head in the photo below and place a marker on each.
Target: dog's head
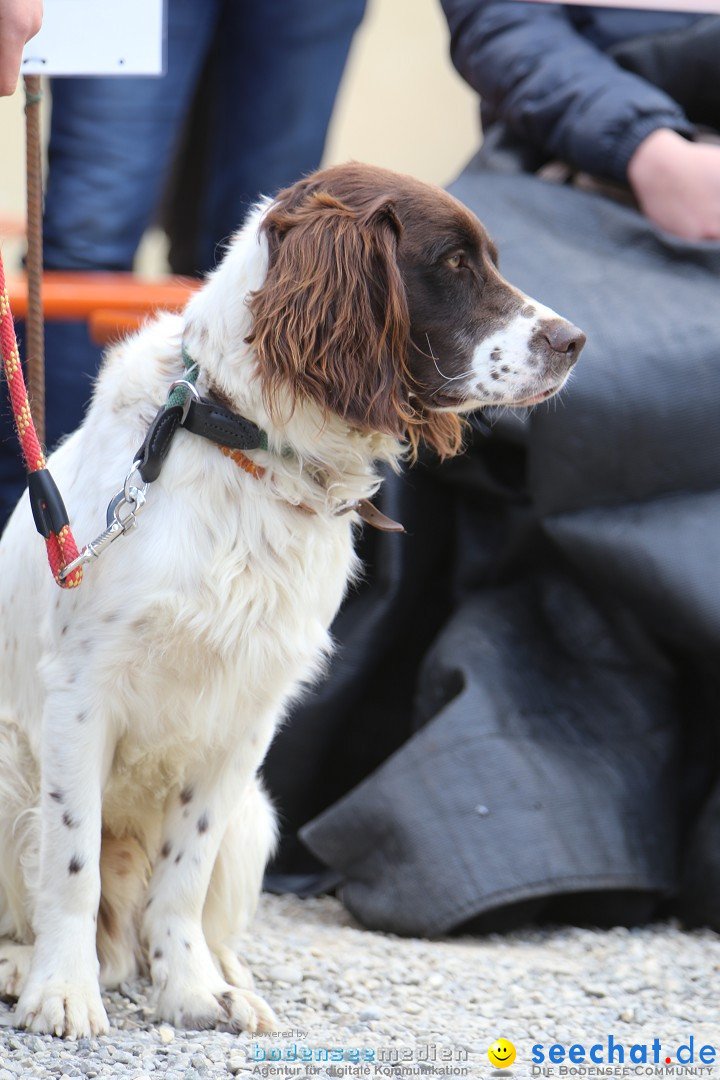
(383, 304)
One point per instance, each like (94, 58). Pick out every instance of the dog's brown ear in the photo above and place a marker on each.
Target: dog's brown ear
(330, 323)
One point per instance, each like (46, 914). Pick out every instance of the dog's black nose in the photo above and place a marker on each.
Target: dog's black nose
(564, 338)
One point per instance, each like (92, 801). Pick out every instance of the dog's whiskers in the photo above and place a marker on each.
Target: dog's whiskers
(447, 378)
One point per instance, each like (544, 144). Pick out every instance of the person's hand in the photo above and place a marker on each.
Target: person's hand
(19, 21)
(677, 184)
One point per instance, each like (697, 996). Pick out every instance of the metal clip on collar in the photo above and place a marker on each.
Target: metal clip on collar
(131, 496)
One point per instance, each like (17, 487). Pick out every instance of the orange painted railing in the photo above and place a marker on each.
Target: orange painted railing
(113, 304)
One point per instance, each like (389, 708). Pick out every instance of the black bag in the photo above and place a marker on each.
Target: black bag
(684, 63)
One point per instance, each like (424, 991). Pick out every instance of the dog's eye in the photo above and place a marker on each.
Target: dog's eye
(454, 261)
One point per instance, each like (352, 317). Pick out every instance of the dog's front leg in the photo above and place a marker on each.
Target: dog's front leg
(62, 995)
(192, 991)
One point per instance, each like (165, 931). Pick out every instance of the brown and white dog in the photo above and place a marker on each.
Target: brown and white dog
(354, 315)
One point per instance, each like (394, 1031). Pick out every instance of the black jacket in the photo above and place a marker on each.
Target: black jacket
(546, 71)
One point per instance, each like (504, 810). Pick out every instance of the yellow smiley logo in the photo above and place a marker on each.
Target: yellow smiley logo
(501, 1054)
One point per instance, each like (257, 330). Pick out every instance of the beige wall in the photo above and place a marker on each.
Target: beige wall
(401, 104)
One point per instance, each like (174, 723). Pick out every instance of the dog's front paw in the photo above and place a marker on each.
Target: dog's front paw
(229, 1007)
(70, 1009)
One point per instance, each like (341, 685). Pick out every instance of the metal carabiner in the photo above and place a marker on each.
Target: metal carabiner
(117, 524)
(133, 493)
(129, 495)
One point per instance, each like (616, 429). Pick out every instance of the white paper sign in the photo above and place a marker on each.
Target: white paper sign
(98, 37)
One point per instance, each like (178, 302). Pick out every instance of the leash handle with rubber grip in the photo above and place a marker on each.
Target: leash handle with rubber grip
(48, 509)
(47, 506)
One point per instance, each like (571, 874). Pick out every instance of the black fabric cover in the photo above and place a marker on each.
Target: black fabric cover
(521, 720)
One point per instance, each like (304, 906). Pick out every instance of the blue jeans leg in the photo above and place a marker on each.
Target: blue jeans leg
(277, 71)
(112, 142)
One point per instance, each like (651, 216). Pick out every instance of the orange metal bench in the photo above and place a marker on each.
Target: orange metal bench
(113, 304)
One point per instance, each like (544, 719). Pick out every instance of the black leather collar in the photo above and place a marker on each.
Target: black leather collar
(211, 420)
(203, 417)
(214, 421)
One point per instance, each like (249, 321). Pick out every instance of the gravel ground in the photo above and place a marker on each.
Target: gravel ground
(398, 1007)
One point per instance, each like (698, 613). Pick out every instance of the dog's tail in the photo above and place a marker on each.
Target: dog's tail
(248, 843)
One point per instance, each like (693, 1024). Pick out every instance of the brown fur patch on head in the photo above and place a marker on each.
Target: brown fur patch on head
(331, 323)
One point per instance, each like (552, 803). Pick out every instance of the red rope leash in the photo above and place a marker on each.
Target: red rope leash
(53, 523)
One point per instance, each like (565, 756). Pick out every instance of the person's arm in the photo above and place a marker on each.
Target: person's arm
(555, 88)
(19, 21)
(677, 184)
